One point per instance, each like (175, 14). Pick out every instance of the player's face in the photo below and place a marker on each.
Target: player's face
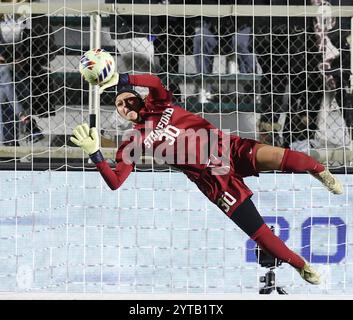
(127, 105)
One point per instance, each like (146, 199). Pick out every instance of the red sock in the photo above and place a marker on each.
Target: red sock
(268, 241)
(294, 161)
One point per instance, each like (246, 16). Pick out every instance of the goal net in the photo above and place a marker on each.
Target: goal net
(280, 74)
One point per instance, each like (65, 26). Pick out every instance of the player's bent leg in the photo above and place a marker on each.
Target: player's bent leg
(272, 244)
(276, 247)
(268, 157)
(250, 221)
(275, 158)
(294, 161)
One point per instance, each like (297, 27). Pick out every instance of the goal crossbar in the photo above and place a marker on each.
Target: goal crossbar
(175, 10)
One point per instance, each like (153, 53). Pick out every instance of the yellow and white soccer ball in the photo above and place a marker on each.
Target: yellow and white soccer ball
(97, 66)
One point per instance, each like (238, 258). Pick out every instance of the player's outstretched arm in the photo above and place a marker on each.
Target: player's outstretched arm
(114, 178)
(88, 140)
(150, 81)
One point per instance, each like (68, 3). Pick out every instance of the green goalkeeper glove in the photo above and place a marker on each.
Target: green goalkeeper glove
(88, 140)
(112, 82)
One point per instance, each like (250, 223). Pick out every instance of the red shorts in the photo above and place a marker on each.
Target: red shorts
(243, 153)
(228, 191)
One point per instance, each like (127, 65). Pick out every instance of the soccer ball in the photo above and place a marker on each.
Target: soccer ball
(97, 66)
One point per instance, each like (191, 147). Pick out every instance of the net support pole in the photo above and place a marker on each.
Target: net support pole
(93, 98)
(95, 43)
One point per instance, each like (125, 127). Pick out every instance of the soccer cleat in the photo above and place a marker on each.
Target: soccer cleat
(309, 274)
(329, 181)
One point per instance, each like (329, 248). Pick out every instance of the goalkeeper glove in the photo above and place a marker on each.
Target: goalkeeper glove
(88, 140)
(114, 81)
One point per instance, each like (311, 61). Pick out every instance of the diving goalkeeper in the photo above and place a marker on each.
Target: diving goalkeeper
(216, 166)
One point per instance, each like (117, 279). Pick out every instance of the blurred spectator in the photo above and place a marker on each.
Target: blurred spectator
(289, 58)
(35, 86)
(340, 71)
(247, 60)
(340, 67)
(11, 28)
(172, 40)
(205, 42)
(236, 41)
(10, 108)
(30, 47)
(133, 38)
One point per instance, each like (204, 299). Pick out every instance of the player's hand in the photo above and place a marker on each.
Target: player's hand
(86, 138)
(112, 82)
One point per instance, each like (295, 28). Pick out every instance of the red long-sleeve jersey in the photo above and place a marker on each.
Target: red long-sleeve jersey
(189, 143)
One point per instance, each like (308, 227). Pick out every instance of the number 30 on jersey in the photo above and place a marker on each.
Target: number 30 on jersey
(170, 133)
(226, 201)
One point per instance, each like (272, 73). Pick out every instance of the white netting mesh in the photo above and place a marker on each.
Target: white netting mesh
(284, 81)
